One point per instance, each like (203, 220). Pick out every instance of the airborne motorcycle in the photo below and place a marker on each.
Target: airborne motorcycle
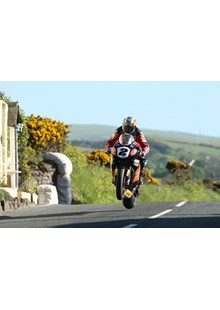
(126, 162)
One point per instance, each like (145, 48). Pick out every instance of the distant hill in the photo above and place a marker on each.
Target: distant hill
(90, 132)
(103, 132)
(165, 145)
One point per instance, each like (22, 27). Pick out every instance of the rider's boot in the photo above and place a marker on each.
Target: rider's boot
(138, 192)
(141, 180)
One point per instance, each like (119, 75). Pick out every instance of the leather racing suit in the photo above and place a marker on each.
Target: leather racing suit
(140, 141)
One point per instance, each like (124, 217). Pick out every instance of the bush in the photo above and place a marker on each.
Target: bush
(216, 185)
(148, 178)
(179, 172)
(212, 185)
(4, 195)
(175, 165)
(38, 135)
(46, 134)
(98, 157)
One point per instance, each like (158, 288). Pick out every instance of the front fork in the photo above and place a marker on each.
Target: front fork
(132, 175)
(132, 180)
(113, 169)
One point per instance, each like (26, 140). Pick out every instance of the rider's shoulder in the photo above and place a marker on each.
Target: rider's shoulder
(138, 131)
(119, 130)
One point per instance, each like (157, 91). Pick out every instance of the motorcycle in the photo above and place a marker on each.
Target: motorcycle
(126, 161)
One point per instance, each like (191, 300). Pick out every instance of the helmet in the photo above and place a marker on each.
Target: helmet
(129, 125)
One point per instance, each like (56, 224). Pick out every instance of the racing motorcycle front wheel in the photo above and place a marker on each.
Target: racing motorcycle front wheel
(120, 184)
(129, 203)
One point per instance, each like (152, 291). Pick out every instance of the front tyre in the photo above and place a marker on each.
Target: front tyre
(120, 184)
(129, 203)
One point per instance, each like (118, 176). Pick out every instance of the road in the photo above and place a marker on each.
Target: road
(144, 215)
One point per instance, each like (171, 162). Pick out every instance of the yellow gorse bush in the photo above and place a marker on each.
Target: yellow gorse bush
(148, 178)
(212, 184)
(217, 182)
(176, 165)
(179, 172)
(98, 157)
(45, 133)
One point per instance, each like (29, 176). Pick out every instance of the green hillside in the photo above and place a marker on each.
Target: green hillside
(165, 145)
(90, 132)
(102, 132)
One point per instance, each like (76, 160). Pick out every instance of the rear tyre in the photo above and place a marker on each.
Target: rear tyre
(120, 184)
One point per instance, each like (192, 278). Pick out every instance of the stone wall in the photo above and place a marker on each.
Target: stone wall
(44, 173)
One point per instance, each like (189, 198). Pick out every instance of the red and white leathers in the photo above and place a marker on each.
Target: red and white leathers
(139, 139)
(138, 136)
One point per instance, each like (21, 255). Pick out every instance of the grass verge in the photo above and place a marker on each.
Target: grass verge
(92, 184)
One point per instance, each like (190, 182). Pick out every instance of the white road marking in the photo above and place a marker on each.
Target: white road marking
(181, 204)
(131, 226)
(161, 214)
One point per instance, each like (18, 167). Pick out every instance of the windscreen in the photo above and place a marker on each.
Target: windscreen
(126, 139)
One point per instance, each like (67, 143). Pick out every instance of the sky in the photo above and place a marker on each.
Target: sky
(192, 107)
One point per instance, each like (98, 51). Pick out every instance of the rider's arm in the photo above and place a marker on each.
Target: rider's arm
(141, 140)
(113, 139)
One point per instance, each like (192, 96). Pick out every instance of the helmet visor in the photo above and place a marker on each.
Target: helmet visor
(128, 129)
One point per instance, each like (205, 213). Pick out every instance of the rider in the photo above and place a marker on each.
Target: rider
(129, 126)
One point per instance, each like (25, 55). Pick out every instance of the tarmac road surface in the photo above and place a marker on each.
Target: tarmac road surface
(144, 215)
